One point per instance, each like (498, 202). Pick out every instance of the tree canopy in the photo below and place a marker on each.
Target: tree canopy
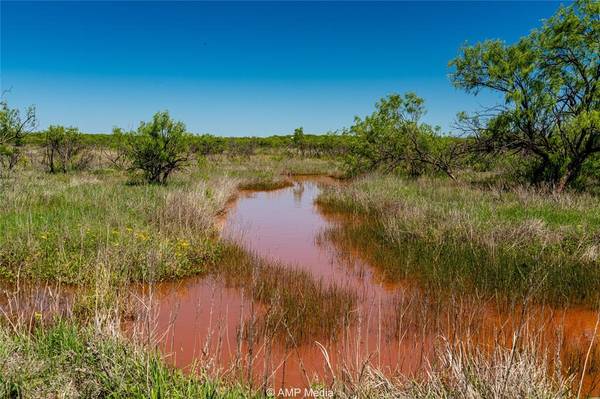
(549, 83)
(158, 147)
(62, 145)
(393, 137)
(14, 126)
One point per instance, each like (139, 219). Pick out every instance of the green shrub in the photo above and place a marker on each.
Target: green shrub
(157, 148)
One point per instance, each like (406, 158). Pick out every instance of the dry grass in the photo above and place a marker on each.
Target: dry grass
(190, 211)
(463, 371)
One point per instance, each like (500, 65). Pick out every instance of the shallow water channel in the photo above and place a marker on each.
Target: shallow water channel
(394, 326)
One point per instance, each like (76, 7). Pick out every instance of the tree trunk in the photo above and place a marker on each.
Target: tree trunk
(573, 169)
(51, 160)
(450, 174)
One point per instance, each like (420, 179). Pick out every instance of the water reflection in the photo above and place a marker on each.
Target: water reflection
(395, 325)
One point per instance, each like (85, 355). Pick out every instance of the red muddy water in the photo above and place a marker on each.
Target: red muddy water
(394, 326)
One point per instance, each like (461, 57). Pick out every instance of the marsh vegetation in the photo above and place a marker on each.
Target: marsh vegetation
(389, 259)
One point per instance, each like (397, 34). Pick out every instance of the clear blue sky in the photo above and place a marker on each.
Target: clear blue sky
(243, 68)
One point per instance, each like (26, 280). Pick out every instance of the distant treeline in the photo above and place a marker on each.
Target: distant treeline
(330, 144)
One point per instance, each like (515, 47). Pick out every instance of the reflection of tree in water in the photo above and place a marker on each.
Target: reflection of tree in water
(298, 190)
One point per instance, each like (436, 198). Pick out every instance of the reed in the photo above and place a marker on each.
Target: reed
(463, 371)
(299, 306)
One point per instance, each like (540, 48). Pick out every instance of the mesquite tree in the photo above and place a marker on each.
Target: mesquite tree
(393, 137)
(62, 148)
(158, 147)
(298, 139)
(549, 81)
(14, 126)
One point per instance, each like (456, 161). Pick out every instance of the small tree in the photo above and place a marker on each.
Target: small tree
(158, 147)
(13, 129)
(63, 146)
(299, 140)
(393, 137)
(380, 139)
(550, 84)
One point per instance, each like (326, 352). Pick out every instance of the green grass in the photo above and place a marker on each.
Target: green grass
(98, 230)
(63, 227)
(68, 360)
(452, 235)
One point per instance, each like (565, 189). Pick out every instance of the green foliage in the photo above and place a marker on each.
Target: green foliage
(14, 127)
(550, 84)
(381, 138)
(63, 147)
(330, 144)
(242, 146)
(299, 140)
(207, 144)
(157, 148)
(589, 179)
(393, 138)
(298, 137)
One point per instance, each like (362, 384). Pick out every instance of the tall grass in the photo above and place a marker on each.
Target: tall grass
(463, 371)
(61, 228)
(68, 360)
(299, 307)
(455, 235)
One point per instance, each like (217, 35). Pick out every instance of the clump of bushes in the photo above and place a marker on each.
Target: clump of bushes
(64, 149)
(157, 148)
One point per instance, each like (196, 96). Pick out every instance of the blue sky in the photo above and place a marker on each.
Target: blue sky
(243, 68)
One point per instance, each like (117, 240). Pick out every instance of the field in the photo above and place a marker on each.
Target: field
(99, 232)
(417, 244)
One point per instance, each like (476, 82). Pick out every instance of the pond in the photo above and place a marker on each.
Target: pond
(395, 327)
